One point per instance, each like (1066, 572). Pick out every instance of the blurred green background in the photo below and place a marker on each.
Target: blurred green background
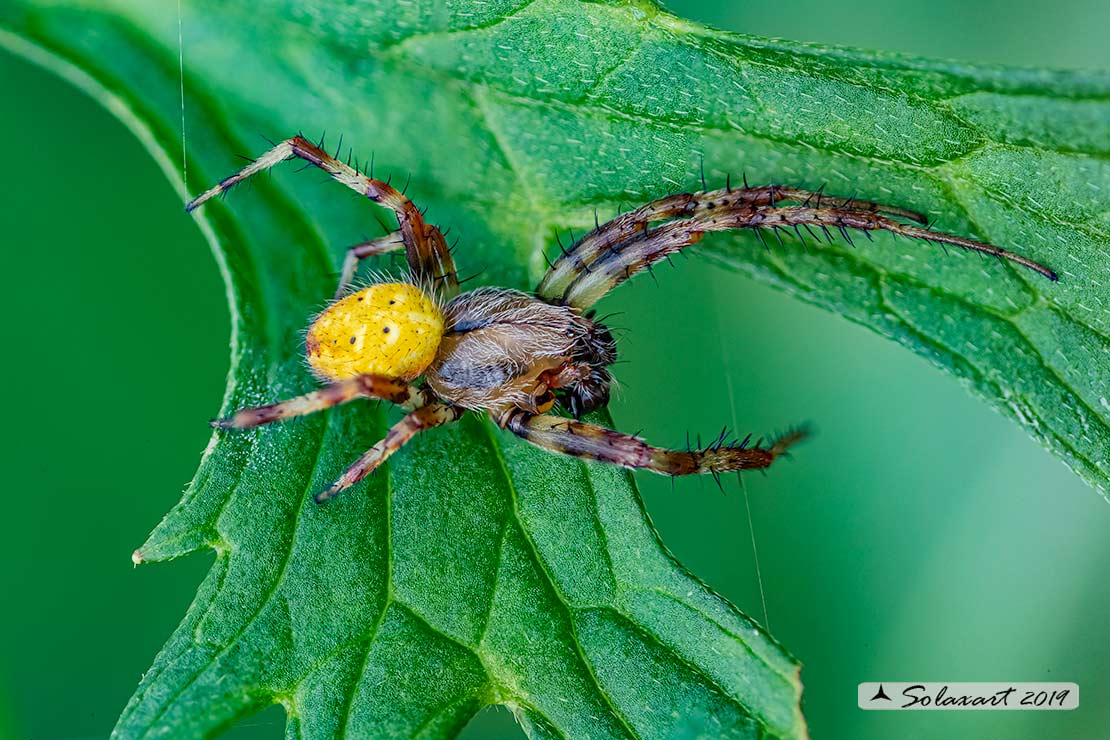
(920, 536)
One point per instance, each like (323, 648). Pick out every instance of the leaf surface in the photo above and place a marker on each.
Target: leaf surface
(476, 569)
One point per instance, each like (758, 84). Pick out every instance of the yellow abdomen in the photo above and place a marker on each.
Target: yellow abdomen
(390, 329)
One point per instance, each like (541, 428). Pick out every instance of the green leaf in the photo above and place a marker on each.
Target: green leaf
(478, 570)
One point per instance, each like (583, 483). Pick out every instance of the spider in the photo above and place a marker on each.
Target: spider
(513, 354)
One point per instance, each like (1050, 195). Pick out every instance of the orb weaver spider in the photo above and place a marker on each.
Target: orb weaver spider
(513, 354)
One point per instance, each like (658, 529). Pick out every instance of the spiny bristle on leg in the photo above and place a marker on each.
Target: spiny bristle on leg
(718, 457)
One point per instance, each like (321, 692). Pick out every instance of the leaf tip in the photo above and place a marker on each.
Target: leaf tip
(137, 557)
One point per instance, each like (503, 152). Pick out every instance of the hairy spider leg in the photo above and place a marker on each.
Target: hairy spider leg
(630, 257)
(361, 386)
(426, 417)
(593, 442)
(611, 234)
(425, 248)
(774, 194)
(362, 250)
(861, 221)
(605, 237)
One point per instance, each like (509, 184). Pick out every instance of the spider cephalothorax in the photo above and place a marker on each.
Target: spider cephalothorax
(505, 349)
(512, 354)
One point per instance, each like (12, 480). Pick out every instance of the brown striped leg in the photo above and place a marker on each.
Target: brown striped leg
(360, 386)
(841, 219)
(432, 415)
(607, 236)
(610, 235)
(426, 249)
(642, 251)
(773, 195)
(361, 251)
(592, 442)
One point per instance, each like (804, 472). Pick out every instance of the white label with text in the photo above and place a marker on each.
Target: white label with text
(989, 695)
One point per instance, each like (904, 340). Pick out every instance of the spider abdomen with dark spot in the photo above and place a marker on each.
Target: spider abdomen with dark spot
(390, 329)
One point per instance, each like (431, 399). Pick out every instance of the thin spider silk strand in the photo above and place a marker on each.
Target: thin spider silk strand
(181, 77)
(739, 476)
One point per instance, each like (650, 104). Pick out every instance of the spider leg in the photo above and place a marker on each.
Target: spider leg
(426, 249)
(362, 250)
(640, 252)
(592, 442)
(772, 195)
(606, 237)
(611, 235)
(360, 386)
(862, 221)
(631, 257)
(426, 417)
